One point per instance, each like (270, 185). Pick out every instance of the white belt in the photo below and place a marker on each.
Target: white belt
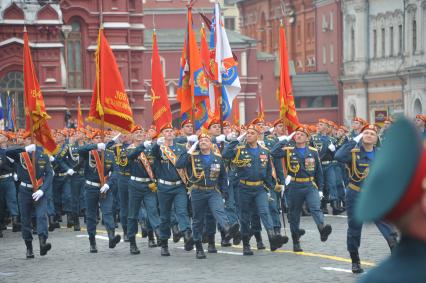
(93, 184)
(5, 176)
(164, 182)
(26, 185)
(143, 180)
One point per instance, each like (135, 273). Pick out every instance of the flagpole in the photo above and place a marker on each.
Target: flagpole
(191, 79)
(219, 71)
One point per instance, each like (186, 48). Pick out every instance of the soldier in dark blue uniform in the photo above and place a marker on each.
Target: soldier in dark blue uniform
(254, 168)
(358, 154)
(97, 194)
(395, 190)
(31, 199)
(7, 185)
(208, 181)
(171, 188)
(304, 183)
(142, 189)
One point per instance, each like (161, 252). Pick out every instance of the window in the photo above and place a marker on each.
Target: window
(352, 44)
(230, 23)
(400, 40)
(324, 55)
(331, 53)
(75, 76)
(383, 43)
(391, 41)
(12, 86)
(374, 43)
(414, 36)
(331, 21)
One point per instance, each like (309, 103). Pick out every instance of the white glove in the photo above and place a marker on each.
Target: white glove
(147, 144)
(231, 137)
(30, 148)
(358, 137)
(11, 159)
(220, 138)
(101, 146)
(192, 138)
(70, 172)
(37, 195)
(15, 177)
(116, 137)
(261, 143)
(271, 130)
(241, 137)
(193, 147)
(291, 136)
(332, 147)
(282, 138)
(160, 141)
(51, 158)
(287, 180)
(104, 188)
(321, 194)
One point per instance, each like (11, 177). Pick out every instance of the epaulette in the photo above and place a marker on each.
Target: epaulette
(289, 148)
(355, 149)
(313, 148)
(264, 147)
(240, 146)
(217, 154)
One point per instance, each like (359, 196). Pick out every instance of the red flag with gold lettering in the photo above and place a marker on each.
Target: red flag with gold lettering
(109, 100)
(161, 112)
(285, 92)
(35, 109)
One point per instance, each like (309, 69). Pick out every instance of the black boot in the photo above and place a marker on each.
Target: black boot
(76, 223)
(44, 247)
(177, 235)
(165, 248)
(113, 239)
(189, 242)
(70, 220)
(30, 253)
(151, 240)
(296, 243)
(237, 239)
(259, 241)
(133, 247)
(224, 242)
(336, 209)
(276, 241)
(93, 248)
(301, 232)
(125, 237)
(230, 231)
(246, 246)
(34, 225)
(211, 245)
(325, 231)
(144, 229)
(356, 263)
(157, 235)
(323, 207)
(53, 224)
(199, 251)
(16, 226)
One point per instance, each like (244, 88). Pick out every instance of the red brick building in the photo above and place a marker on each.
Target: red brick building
(63, 37)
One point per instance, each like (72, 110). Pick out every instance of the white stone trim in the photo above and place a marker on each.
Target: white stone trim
(123, 47)
(32, 44)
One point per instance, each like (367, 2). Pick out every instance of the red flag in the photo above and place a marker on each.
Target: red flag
(161, 112)
(35, 110)
(285, 92)
(261, 111)
(80, 121)
(236, 112)
(109, 100)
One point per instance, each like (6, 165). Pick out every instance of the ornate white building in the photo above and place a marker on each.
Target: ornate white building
(384, 60)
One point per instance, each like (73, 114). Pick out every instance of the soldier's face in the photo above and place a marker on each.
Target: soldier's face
(214, 130)
(261, 126)
(227, 130)
(300, 137)
(139, 136)
(387, 124)
(188, 129)
(205, 143)
(252, 136)
(369, 137)
(340, 133)
(279, 129)
(96, 139)
(420, 123)
(168, 134)
(322, 127)
(356, 125)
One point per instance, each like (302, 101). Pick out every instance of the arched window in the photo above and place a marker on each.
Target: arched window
(12, 95)
(75, 73)
(418, 107)
(352, 112)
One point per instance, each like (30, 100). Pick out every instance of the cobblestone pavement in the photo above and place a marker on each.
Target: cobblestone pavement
(70, 260)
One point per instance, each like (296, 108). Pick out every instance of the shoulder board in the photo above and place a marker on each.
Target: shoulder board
(355, 149)
(263, 147)
(240, 146)
(313, 148)
(217, 154)
(195, 153)
(289, 148)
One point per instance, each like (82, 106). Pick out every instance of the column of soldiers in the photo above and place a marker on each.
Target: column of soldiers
(178, 184)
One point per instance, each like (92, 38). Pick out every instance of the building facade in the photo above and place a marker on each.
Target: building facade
(384, 70)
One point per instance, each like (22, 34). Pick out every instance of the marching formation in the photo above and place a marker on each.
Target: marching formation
(180, 184)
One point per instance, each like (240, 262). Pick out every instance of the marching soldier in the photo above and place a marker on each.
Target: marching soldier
(253, 165)
(171, 188)
(208, 180)
(304, 183)
(358, 154)
(35, 181)
(97, 194)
